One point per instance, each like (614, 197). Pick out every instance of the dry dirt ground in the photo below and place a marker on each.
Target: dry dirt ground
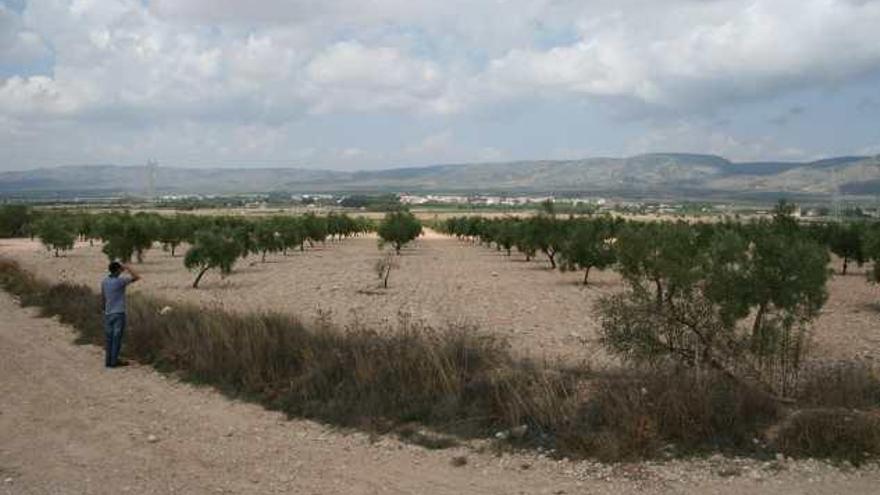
(69, 426)
(440, 280)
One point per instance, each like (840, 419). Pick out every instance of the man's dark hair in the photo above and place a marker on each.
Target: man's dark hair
(115, 267)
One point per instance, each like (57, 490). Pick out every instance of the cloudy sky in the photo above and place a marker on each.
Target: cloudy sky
(351, 84)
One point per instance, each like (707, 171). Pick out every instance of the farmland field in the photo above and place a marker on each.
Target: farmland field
(440, 280)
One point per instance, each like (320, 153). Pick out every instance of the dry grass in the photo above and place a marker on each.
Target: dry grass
(841, 415)
(643, 414)
(457, 381)
(452, 379)
(852, 385)
(835, 433)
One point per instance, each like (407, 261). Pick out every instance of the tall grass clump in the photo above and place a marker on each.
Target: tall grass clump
(851, 385)
(634, 415)
(835, 433)
(839, 417)
(408, 373)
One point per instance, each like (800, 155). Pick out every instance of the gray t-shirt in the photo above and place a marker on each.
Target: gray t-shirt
(113, 289)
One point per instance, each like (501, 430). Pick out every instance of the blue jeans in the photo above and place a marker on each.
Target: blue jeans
(114, 329)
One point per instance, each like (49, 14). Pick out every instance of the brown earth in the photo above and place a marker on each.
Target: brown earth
(67, 425)
(440, 281)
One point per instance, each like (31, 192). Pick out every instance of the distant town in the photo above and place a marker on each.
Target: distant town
(502, 203)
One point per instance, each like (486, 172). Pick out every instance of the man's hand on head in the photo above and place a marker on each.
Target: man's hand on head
(135, 276)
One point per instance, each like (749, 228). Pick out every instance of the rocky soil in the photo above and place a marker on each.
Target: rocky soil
(67, 425)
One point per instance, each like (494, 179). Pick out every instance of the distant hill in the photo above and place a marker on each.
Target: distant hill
(655, 174)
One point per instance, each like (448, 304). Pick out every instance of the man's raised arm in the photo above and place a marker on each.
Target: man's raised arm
(135, 276)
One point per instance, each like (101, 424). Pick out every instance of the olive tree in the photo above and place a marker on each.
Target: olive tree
(127, 235)
(113, 232)
(525, 239)
(872, 252)
(291, 233)
(267, 239)
(848, 242)
(398, 228)
(742, 304)
(589, 244)
(547, 235)
(15, 220)
(56, 233)
(173, 231)
(505, 234)
(213, 248)
(315, 228)
(657, 258)
(87, 227)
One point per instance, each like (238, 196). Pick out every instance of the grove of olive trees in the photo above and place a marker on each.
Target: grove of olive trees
(734, 297)
(212, 241)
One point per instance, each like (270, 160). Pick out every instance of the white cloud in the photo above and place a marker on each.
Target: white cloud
(419, 55)
(40, 95)
(349, 75)
(208, 67)
(18, 45)
(691, 54)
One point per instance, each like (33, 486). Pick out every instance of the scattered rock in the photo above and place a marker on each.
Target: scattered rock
(729, 471)
(524, 466)
(8, 481)
(459, 461)
(152, 438)
(165, 310)
(519, 431)
(502, 435)
(494, 274)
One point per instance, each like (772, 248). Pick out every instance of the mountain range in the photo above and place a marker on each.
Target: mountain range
(687, 176)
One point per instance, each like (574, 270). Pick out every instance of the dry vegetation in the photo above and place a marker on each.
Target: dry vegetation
(460, 381)
(710, 323)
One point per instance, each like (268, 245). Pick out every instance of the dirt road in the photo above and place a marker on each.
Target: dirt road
(67, 425)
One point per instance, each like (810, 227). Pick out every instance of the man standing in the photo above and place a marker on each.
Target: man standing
(113, 302)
